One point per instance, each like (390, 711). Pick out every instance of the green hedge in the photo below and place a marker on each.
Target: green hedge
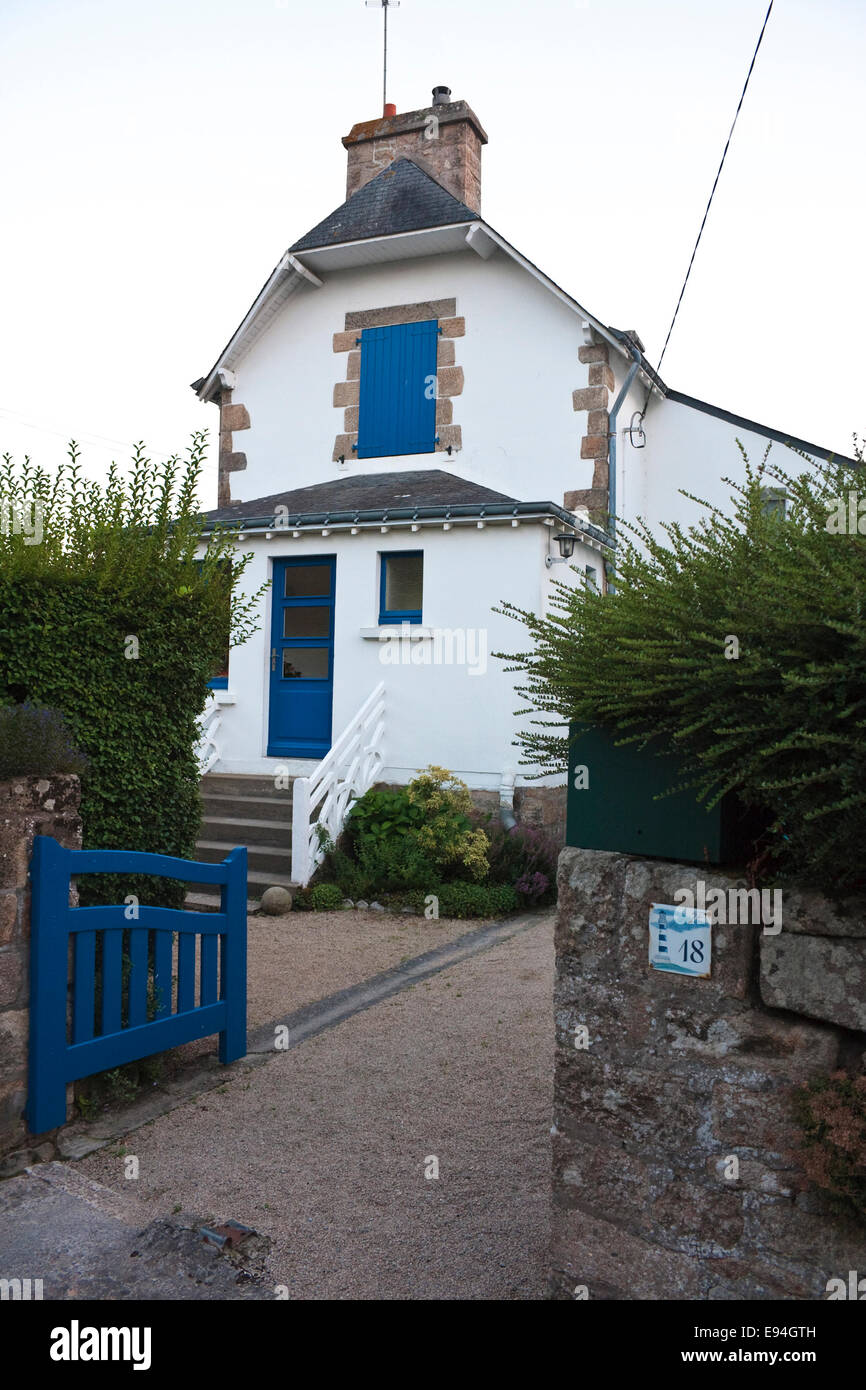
(113, 565)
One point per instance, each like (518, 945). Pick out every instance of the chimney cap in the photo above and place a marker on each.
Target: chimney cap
(441, 96)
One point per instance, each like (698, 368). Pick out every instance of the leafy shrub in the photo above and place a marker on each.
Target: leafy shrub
(832, 1113)
(525, 858)
(326, 897)
(410, 837)
(388, 865)
(783, 724)
(409, 897)
(446, 833)
(383, 813)
(116, 563)
(339, 867)
(36, 740)
(476, 899)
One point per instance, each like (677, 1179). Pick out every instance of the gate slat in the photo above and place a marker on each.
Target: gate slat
(138, 976)
(208, 988)
(84, 986)
(162, 948)
(185, 971)
(112, 951)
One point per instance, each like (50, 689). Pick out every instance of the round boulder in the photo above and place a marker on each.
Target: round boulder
(276, 902)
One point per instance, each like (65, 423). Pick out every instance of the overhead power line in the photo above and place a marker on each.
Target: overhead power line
(714, 187)
(15, 417)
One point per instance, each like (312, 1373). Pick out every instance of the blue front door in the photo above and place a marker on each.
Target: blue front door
(302, 658)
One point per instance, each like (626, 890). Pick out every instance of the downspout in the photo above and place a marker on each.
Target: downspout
(611, 452)
(506, 800)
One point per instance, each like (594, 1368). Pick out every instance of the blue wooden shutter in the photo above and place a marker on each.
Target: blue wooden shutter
(397, 412)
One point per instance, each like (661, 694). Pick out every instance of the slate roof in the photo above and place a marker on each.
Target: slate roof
(427, 487)
(400, 199)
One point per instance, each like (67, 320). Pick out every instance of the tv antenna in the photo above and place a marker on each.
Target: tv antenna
(385, 5)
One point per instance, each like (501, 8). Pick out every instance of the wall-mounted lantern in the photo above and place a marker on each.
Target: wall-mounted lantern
(565, 541)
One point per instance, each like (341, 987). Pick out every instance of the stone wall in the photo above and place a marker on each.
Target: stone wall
(676, 1076)
(28, 806)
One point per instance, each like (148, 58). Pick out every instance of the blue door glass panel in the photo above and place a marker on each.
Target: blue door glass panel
(301, 658)
(397, 411)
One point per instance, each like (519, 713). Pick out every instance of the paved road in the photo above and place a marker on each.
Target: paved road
(325, 1147)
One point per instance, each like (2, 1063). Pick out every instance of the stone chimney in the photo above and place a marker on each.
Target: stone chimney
(444, 140)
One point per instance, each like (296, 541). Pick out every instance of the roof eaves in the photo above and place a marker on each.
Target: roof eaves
(752, 425)
(288, 266)
(465, 511)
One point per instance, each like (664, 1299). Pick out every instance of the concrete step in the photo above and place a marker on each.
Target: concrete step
(236, 831)
(263, 859)
(208, 899)
(248, 807)
(239, 785)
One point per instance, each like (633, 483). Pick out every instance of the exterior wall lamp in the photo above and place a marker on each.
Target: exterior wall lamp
(566, 549)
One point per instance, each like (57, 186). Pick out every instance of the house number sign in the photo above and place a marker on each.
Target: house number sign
(680, 939)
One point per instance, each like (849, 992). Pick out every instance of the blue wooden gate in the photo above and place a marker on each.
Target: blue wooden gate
(132, 1009)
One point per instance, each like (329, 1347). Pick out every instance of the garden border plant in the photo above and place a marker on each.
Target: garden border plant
(405, 846)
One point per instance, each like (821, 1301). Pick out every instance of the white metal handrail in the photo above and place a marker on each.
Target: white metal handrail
(344, 774)
(209, 722)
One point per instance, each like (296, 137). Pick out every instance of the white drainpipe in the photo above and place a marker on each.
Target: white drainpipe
(506, 799)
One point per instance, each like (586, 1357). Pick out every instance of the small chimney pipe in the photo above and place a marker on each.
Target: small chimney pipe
(441, 96)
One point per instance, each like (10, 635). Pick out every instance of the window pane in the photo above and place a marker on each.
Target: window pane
(306, 622)
(403, 583)
(309, 662)
(307, 581)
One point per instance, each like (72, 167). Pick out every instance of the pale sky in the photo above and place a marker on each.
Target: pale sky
(158, 158)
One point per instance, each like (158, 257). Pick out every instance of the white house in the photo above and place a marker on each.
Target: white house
(415, 424)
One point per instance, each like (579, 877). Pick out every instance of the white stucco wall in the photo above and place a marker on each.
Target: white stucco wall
(441, 713)
(686, 449)
(521, 435)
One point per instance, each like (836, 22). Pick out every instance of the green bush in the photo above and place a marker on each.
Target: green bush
(777, 716)
(411, 897)
(326, 897)
(384, 813)
(476, 900)
(389, 865)
(111, 620)
(35, 741)
(409, 837)
(525, 858)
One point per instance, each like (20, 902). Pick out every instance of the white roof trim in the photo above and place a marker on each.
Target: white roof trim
(290, 273)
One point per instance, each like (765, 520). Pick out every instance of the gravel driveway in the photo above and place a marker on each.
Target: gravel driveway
(324, 1148)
